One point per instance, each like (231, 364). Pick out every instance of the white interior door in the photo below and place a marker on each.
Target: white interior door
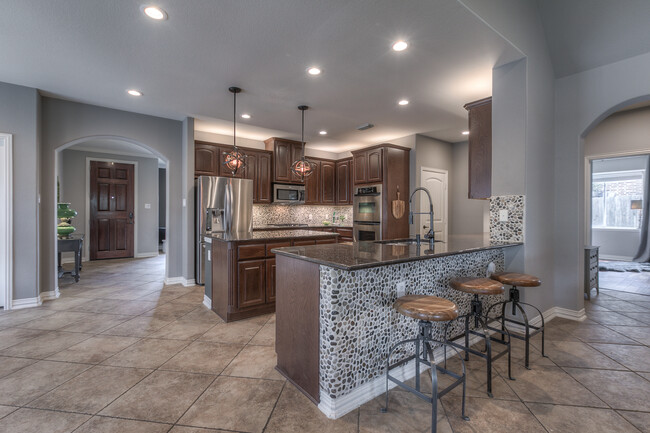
(5, 220)
(436, 181)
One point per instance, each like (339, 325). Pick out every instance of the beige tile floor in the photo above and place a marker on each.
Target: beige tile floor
(121, 352)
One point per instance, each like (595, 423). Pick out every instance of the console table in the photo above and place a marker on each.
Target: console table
(74, 243)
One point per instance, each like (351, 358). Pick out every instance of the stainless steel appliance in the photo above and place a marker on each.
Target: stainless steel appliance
(223, 205)
(288, 194)
(366, 213)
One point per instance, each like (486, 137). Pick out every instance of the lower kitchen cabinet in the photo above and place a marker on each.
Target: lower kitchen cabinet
(251, 283)
(243, 273)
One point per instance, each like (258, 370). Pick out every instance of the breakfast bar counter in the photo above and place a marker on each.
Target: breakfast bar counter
(334, 318)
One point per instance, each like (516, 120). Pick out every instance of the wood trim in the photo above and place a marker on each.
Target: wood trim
(376, 146)
(297, 323)
(477, 103)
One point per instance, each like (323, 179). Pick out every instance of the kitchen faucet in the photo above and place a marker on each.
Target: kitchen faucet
(430, 236)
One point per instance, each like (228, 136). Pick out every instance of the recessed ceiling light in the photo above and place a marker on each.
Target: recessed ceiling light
(134, 92)
(313, 70)
(246, 116)
(154, 12)
(323, 132)
(465, 132)
(403, 102)
(400, 46)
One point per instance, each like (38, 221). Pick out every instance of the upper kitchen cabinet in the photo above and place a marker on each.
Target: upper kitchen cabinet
(206, 159)
(285, 152)
(313, 191)
(480, 148)
(328, 182)
(368, 165)
(344, 181)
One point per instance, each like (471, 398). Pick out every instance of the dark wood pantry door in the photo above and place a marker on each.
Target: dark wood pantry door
(111, 210)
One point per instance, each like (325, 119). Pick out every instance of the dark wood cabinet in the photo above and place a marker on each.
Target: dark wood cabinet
(206, 158)
(368, 165)
(270, 280)
(208, 161)
(251, 283)
(313, 184)
(328, 182)
(285, 152)
(344, 181)
(480, 148)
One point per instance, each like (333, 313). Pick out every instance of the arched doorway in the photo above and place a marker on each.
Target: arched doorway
(73, 183)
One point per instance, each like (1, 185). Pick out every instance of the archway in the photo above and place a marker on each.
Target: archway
(119, 150)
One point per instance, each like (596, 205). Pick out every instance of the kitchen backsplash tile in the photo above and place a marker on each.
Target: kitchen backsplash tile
(264, 214)
(513, 229)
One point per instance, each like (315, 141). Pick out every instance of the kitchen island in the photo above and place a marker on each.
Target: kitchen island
(334, 318)
(241, 281)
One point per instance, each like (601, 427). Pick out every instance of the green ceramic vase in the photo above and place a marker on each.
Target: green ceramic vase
(65, 214)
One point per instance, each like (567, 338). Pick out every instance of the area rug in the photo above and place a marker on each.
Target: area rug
(623, 266)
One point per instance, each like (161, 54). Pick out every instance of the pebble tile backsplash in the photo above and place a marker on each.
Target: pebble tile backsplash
(264, 214)
(513, 229)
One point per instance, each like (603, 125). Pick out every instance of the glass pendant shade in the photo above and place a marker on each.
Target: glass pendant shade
(302, 167)
(235, 160)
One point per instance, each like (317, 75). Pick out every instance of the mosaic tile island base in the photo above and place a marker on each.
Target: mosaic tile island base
(356, 324)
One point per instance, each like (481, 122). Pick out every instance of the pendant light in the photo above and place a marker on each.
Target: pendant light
(302, 167)
(235, 160)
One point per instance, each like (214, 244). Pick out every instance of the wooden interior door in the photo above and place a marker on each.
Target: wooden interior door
(111, 210)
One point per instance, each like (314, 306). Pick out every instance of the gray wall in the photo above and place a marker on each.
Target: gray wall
(19, 116)
(583, 101)
(74, 181)
(65, 122)
(466, 216)
(519, 23)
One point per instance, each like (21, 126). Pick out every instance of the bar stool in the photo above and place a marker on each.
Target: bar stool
(519, 280)
(426, 309)
(476, 287)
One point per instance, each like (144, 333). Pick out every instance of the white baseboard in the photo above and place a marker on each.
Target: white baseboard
(337, 407)
(52, 294)
(207, 301)
(17, 304)
(145, 255)
(549, 315)
(180, 280)
(619, 258)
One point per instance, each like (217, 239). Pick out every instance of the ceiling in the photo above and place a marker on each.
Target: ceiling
(93, 50)
(585, 34)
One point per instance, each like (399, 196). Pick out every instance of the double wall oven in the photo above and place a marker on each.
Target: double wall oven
(366, 213)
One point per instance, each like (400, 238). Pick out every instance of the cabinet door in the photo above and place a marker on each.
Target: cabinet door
(296, 153)
(343, 182)
(282, 153)
(374, 173)
(480, 151)
(312, 185)
(251, 283)
(360, 161)
(206, 158)
(328, 182)
(250, 172)
(264, 178)
(270, 280)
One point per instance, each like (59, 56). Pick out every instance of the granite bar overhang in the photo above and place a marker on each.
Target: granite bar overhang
(369, 254)
(268, 235)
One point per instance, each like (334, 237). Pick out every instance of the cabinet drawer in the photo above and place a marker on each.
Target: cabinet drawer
(269, 247)
(251, 251)
(326, 241)
(304, 243)
(344, 232)
(345, 239)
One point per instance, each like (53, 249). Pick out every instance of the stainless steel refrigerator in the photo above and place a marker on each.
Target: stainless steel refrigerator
(223, 205)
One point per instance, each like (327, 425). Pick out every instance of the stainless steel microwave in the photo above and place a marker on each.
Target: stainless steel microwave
(288, 194)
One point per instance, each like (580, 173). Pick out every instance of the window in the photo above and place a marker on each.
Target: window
(611, 199)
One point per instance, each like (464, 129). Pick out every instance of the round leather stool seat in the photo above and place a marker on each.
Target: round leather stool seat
(477, 286)
(515, 279)
(429, 308)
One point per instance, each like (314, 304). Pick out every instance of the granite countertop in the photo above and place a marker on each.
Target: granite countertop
(307, 227)
(270, 235)
(359, 255)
